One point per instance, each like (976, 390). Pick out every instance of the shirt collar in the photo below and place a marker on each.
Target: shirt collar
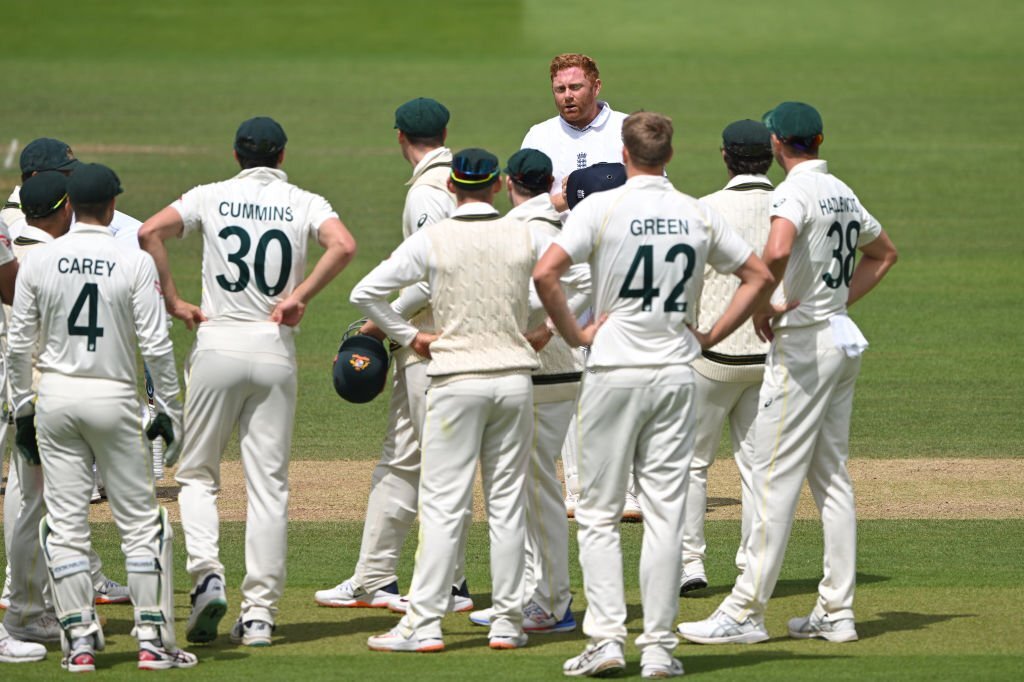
(539, 206)
(264, 174)
(441, 154)
(745, 179)
(34, 233)
(809, 166)
(603, 114)
(84, 227)
(475, 208)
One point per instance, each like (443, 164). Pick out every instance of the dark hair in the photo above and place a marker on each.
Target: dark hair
(247, 162)
(480, 194)
(425, 141)
(94, 210)
(528, 191)
(804, 145)
(747, 165)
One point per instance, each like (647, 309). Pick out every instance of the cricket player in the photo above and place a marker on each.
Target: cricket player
(82, 301)
(647, 245)
(255, 229)
(727, 377)
(478, 404)
(803, 425)
(585, 131)
(422, 125)
(40, 156)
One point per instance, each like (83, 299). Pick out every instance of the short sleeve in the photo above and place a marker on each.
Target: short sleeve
(870, 228)
(787, 202)
(319, 212)
(189, 207)
(577, 237)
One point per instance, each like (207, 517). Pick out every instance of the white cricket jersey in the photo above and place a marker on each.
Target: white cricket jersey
(647, 244)
(571, 148)
(256, 227)
(6, 256)
(830, 224)
(744, 204)
(123, 226)
(87, 297)
(478, 266)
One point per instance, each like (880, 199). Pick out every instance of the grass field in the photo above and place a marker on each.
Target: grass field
(921, 103)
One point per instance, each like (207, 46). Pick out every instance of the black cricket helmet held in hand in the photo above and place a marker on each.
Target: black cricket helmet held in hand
(361, 366)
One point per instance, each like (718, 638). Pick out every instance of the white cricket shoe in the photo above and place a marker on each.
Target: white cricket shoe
(603, 659)
(15, 651)
(660, 670)
(691, 582)
(112, 592)
(631, 512)
(46, 628)
(537, 620)
(252, 632)
(721, 628)
(395, 640)
(209, 604)
(507, 641)
(460, 602)
(81, 658)
(571, 500)
(154, 656)
(840, 630)
(350, 595)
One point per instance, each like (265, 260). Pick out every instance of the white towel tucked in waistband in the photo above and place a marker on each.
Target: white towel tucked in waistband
(847, 336)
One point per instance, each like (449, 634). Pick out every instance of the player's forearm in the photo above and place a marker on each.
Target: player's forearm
(754, 292)
(385, 317)
(868, 273)
(337, 256)
(551, 294)
(412, 300)
(165, 379)
(20, 374)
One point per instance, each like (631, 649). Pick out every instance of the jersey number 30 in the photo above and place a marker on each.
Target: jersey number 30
(88, 296)
(648, 292)
(259, 261)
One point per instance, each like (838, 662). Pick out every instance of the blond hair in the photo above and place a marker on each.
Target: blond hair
(572, 59)
(647, 137)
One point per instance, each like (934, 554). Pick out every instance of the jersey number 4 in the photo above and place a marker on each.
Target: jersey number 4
(644, 258)
(259, 260)
(89, 296)
(845, 259)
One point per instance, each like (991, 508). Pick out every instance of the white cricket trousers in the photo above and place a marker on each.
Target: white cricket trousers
(257, 392)
(546, 577)
(718, 401)
(802, 432)
(73, 433)
(470, 420)
(394, 486)
(644, 418)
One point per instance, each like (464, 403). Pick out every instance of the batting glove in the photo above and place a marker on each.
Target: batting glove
(25, 438)
(164, 426)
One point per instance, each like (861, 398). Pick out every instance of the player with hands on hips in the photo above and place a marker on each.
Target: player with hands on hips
(647, 245)
(86, 300)
(802, 429)
(255, 227)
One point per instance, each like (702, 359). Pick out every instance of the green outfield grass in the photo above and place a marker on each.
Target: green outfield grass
(921, 103)
(924, 612)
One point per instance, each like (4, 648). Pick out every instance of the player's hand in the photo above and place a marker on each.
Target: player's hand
(288, 312)
(371, 329)
(421, 344)
(588, 333)
(188, 313)
(763, 319)
(169, 428)
(25, 438)
(704, 339)
(539, 337)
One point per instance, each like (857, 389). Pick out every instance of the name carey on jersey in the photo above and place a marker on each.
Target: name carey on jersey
(830, 205)
(85, 266)
(255, 211)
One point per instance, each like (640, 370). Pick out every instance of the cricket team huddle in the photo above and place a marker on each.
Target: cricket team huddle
(608, 319)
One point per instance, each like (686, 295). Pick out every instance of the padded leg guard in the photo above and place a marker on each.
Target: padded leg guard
(72, 591)
(151, 584)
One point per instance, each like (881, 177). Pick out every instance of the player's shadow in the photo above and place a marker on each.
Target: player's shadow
(168, 492)
(716, 502)
(896, 621)
(695, 663)
(314, 630)
(791, 586)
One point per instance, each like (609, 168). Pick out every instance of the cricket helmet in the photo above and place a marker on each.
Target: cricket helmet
(361, 366)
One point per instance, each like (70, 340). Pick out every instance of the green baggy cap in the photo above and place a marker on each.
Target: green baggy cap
(422, 117)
